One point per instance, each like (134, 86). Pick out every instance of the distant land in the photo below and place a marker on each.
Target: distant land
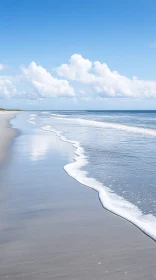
(2, 109)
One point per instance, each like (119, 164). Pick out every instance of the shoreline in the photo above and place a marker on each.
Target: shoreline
(75, 171)
(8, 134)
(56, 228)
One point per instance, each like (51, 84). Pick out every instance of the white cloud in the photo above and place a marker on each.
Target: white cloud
(7, 88)
(77, 69)
(112, 84)
(88, 80)
(44, 83)
(103, 82)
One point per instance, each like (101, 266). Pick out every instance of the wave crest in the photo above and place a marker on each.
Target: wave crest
(118, 126)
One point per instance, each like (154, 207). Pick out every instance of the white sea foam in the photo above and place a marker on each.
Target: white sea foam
(32, 118)
(57, 115)
(45, 113)
(31, 121)
(118, 126)
(110, 200)
(33, 115)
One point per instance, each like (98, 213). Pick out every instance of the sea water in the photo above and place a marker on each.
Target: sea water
(115, 154)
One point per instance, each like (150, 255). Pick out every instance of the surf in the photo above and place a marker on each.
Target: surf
(117, 126)
(110, 200)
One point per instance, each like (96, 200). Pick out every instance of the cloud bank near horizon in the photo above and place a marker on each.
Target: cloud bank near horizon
(79, 78)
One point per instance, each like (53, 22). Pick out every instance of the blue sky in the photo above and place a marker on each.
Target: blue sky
(119, 34)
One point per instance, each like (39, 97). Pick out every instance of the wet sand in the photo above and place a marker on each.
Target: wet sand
(6, 134)
(52, 227)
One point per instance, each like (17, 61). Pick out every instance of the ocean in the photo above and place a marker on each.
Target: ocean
(114, 154)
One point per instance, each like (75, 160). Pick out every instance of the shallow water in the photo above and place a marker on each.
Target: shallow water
(118, 151)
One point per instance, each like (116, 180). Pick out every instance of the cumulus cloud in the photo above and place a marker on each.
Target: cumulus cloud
(44, 83)
(79, 78)
(7, 88)
(77, 69)
(112, 84)
(103, 82)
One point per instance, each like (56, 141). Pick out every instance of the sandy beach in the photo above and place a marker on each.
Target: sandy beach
(52, 227)
(7, 134)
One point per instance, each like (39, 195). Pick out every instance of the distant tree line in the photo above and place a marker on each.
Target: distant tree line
(2, 109)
